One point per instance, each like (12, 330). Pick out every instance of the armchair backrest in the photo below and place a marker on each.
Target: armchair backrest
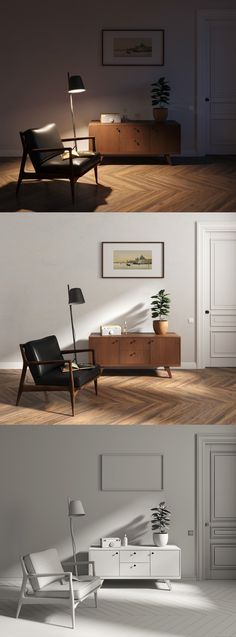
(42, 562)
(42, 349)
(45, 137)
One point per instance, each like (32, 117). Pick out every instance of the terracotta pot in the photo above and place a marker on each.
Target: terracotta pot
(160, 539)
(160, 114)
(160, 327)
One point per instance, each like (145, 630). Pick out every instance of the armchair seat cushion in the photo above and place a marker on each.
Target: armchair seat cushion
(81, 588)
(58, 377)
(81, 165)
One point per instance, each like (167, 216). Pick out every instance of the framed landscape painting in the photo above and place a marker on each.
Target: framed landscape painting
(144, 260)
(144, 47)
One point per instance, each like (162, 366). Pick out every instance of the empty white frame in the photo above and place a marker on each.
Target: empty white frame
(132, 472)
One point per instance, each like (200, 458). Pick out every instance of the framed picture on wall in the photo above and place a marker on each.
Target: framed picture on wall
(133, 260)
(134, 47)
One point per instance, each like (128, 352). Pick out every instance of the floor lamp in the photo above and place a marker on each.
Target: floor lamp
(75, 297)
(75, 85)
(75, 509)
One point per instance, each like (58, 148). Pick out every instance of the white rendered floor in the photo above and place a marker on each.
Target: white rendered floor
(191, 609)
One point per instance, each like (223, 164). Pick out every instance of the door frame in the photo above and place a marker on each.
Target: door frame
(202, 441)
(202, 230)
(202, 73)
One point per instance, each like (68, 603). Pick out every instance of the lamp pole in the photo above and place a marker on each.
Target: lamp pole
(75, 85)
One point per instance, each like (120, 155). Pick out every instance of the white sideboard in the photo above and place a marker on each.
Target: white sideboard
(137, 562)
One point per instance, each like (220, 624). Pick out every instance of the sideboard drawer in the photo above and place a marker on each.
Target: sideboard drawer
(134, 569)
(134, 556)
(133, 356)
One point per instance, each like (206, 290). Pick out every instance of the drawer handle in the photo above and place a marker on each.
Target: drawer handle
(153, 553)
(133, 354)
(113, 342)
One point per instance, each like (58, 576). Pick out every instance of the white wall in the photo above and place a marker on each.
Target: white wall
(41, 253)
(41, 42)
(40, 467)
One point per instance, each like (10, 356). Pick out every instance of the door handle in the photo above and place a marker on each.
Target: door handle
(207, 524)
(207, 99)
(207, 311)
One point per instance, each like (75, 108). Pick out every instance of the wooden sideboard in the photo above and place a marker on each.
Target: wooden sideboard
(137, 562)
(137, 350)
(141, 137)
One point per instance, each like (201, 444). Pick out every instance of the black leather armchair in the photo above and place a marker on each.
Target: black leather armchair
(46, 362)
(45, 149)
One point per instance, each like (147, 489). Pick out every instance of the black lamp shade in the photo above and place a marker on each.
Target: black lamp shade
(75, 84)
(75, 296)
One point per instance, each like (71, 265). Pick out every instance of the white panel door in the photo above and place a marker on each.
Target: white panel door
(217, 297)
(220, 511)
(216, 82)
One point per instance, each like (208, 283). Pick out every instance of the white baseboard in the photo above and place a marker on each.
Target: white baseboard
(17, 153)
(11, 365)
(10, 153)
(191, 365)
(18, 365)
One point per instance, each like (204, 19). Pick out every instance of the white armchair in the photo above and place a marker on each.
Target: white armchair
(46, 582)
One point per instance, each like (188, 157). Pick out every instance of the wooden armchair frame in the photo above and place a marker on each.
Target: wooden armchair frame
(38, 175)
(23, 387)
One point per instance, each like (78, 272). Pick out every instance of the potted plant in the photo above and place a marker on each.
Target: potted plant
(160, 308)
(160, 524)
(160, 95)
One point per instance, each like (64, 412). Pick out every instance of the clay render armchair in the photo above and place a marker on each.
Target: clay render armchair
(46, 582)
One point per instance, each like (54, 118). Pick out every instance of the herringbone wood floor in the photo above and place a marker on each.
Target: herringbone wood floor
(131, 609)
(196, 185)
(190, 397)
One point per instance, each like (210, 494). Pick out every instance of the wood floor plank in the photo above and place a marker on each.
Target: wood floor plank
(190, 397)
(190, 185)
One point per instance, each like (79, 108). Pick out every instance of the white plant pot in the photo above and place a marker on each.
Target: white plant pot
(160, 539)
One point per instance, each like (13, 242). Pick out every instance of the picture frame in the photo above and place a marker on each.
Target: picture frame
(133, 260)
(132, 472)
(133, 47)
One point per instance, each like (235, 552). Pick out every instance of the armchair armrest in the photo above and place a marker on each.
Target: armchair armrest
(76, 351)
(92, 137)
(59, 576)
(45, 150)
(57, 362)
(83, 562)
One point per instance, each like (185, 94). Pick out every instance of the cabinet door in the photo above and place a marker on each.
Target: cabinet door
(107, 137)
(165, 351)
(165, 563)
(165, 138)
(134, 138)
(106, 350)
(106, 562)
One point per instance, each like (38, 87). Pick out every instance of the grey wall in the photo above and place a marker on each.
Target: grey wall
(40, 467)
(41, 253)
(42, 41)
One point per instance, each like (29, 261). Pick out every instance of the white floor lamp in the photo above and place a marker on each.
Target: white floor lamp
(75, 509)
